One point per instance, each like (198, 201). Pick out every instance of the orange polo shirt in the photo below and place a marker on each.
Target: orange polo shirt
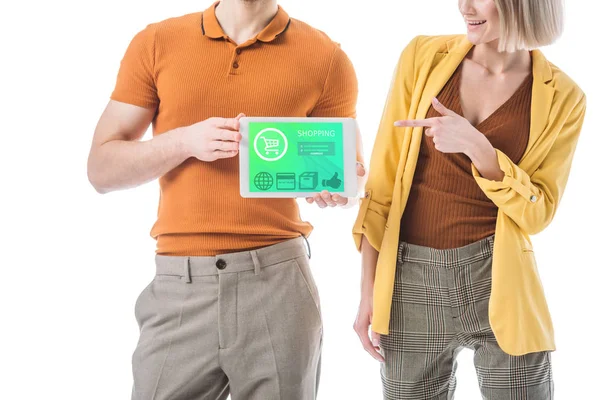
(188, 70)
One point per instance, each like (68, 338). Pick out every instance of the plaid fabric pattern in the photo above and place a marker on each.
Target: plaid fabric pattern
(440, 306)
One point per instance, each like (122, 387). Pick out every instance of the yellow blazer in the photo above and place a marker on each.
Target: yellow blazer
(527, 197)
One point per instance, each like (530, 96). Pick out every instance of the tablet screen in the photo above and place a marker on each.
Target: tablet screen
(295, 157)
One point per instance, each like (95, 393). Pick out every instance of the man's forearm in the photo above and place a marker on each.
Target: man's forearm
(122, 164)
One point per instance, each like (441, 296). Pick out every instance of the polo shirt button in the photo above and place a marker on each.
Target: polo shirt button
(533, 198)
(238, 51)
(235, 65)
(221, 264)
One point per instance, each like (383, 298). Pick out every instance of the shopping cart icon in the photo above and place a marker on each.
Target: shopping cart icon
(271, 145)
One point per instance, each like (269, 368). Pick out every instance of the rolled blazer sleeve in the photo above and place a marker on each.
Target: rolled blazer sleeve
(531, 201)
(375, 205)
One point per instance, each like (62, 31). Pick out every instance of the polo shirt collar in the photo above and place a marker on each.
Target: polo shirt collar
(212, 28)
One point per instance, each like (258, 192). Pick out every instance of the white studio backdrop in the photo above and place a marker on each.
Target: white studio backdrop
(73, 261)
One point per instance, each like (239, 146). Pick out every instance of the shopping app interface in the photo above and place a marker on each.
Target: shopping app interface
(296, 156)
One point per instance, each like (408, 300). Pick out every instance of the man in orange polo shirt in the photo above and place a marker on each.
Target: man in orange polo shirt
(233, 307)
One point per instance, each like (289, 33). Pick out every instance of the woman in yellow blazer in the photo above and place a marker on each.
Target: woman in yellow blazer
(417, 338)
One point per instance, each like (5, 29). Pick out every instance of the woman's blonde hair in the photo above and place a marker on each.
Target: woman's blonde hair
(529, 24)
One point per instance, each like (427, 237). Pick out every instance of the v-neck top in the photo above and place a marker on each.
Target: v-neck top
(446, 208)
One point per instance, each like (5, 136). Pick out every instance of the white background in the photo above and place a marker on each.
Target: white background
(73, 261)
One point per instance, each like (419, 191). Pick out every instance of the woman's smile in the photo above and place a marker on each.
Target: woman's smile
(475, 24)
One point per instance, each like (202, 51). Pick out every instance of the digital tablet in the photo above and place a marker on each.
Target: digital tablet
(297, 157)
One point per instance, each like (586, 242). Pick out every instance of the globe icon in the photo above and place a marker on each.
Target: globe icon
(263, 181)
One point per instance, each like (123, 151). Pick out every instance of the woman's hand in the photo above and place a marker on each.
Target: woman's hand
(361, 327)
(451, 132)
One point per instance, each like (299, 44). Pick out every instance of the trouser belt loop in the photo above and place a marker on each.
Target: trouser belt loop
(186, 270)
(255, 261)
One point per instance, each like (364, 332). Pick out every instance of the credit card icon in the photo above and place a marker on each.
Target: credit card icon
(285, 181)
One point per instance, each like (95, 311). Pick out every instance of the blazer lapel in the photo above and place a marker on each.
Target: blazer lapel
(542, 95)
(442, 66)
(438, 70)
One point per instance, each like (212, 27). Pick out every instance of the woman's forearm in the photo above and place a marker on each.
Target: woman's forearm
(369, 264)
(483, 156)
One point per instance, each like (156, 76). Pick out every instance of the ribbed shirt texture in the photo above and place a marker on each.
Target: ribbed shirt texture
(189, 70)
(446, 208)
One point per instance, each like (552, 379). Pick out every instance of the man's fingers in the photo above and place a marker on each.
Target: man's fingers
(227, 135)
(416, 122)
(439, 107)
(339, 200)
(225, 154)
(240, 115)
(220, 145)
(326, 196)
(227, 123)
(320, 202)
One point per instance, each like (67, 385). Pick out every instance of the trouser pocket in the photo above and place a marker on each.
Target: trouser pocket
(139, 302)
(303, 267)
(159, 299)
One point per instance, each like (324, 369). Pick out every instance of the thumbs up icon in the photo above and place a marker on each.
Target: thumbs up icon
(334, 182)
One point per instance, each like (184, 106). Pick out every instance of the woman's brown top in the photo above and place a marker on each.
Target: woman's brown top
(446, 208)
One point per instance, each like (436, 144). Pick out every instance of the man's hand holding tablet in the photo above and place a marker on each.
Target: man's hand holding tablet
(213, 139)
(326, 199)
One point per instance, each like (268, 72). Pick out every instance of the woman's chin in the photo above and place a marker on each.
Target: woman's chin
(474, 38)
(477, 39)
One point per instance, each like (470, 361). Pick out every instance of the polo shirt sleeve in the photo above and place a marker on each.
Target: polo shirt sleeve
(136, 78)
(340, 91)
(531, 201)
